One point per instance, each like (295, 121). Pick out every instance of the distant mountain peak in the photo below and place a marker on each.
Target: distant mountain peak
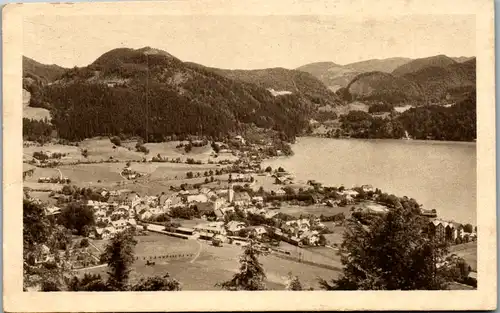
(440, 60)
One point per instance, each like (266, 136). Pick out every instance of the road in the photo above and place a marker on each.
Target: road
(90, 268)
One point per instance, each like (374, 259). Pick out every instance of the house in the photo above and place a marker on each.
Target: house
(258, 199)
(119, 225)
(257, 231)
(441, 230)
(233, 227)
(173, 202)
(44, 255)
(280, 192)
(103, 233)
(219, 203)
(52, 210)
(145, 214)
(216, 228)
(240, 139)
(205, 207)
(270, 214)
(367, 188)
(131, 223)
(242, 199)
(196, 198)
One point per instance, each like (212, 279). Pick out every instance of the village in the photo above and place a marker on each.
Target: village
(225, 207)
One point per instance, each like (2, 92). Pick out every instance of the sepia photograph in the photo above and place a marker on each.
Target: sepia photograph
(250, 152)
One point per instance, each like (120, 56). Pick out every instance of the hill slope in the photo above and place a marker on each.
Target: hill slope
(149, 93)
(379, 86)
(421, 85)
(301, 84)
(453, 82)
(334, 76)
(41, 72)
(378, 65)
(418, 64)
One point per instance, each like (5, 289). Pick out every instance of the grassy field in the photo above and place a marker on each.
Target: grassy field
(467, 251)
(213, 265)
(33, 113)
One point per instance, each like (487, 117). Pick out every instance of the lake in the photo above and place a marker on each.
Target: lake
(440, 175)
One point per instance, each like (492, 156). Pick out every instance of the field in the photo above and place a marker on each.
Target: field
(354, 106)
(33, 113)
(468, 251)
(101, 149)
(213, 265)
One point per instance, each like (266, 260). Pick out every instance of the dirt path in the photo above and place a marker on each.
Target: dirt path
(198, 253)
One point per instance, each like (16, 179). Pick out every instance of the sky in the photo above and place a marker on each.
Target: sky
(249, 42)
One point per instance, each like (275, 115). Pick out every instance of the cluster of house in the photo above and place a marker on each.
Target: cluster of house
(450, 231)
(297, 232)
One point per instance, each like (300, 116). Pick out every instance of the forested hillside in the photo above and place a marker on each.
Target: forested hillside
(297, 82)
(425, 85)
(149, 93)
(457, 123)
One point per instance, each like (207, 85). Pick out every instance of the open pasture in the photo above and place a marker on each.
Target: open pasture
(85, 174)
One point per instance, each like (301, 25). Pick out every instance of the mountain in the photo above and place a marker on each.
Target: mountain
(334, 76)
(462, 59)
(429, 84)
(150, 93)
(378, 65)
(380, 86)
(41, 72)
(284, 81)
(418, 64)
(453, 82)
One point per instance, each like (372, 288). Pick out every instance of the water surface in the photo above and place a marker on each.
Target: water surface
(440, 175)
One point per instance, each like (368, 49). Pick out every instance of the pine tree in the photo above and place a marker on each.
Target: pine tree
(119, 255)
(393, 253)
(251, 275)
(293, 283)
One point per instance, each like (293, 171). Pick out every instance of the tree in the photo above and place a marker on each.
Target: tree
(119, 255)
(116, 141)
(391, 254)
(84, 243)
(468, 228)
(189, 175)
(293, 283)
(78, 217)
(269, 169)
(157, 283)
(89, 282)
(35, 226)
(251, 275)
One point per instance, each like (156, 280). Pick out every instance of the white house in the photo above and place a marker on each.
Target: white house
(280, 192)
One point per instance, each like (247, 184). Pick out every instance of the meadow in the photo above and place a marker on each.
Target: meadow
(213, 265)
